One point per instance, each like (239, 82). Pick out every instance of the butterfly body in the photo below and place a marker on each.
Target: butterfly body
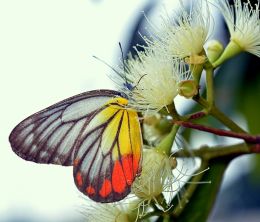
(95, 132)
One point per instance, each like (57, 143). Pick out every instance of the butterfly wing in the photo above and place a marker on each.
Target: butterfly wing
(108, 154)
(50, 135)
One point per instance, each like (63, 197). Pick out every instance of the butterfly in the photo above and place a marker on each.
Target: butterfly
(95, 132)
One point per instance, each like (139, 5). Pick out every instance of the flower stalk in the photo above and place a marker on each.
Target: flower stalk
(215, 112)
(210, 88)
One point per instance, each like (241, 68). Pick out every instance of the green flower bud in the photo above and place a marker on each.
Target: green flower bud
(214, 50)
(188, 88)
(232, 49)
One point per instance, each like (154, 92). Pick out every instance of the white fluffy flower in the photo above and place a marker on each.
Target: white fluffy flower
(100, 212)
(243, 24)
(156, 177)
(186, 33)
(150, 80)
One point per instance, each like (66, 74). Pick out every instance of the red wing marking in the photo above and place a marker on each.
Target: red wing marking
(90, 190)
(79, 179)
(106, 188)
(128, 168)
(118, 178)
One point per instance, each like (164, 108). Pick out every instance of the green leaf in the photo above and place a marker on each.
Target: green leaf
(202, 200)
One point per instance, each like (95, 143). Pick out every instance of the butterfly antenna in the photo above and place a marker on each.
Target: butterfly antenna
(139, 81)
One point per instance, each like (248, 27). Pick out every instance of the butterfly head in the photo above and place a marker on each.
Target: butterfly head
(128, 86)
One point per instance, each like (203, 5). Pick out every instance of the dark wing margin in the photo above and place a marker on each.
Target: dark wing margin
(50, 135)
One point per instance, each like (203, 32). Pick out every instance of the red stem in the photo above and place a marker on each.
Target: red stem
(255, 149)
(197, 115)
(248, 138)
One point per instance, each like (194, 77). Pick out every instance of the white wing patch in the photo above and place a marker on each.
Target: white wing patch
(82, 108)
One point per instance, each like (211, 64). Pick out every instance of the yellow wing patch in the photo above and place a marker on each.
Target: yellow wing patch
(110, 133)
(124, 136)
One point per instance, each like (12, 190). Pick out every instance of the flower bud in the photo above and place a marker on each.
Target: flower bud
(188, 88)
(155, 128)
(232, 49)
(214, 50)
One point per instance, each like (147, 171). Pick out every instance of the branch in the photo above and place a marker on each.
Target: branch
(207, 153)
(248, 138)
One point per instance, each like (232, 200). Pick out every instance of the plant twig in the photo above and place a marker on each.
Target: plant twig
(248, 138)
(208, 153)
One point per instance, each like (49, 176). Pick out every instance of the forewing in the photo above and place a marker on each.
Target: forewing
(49, 136)
(108, 154)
